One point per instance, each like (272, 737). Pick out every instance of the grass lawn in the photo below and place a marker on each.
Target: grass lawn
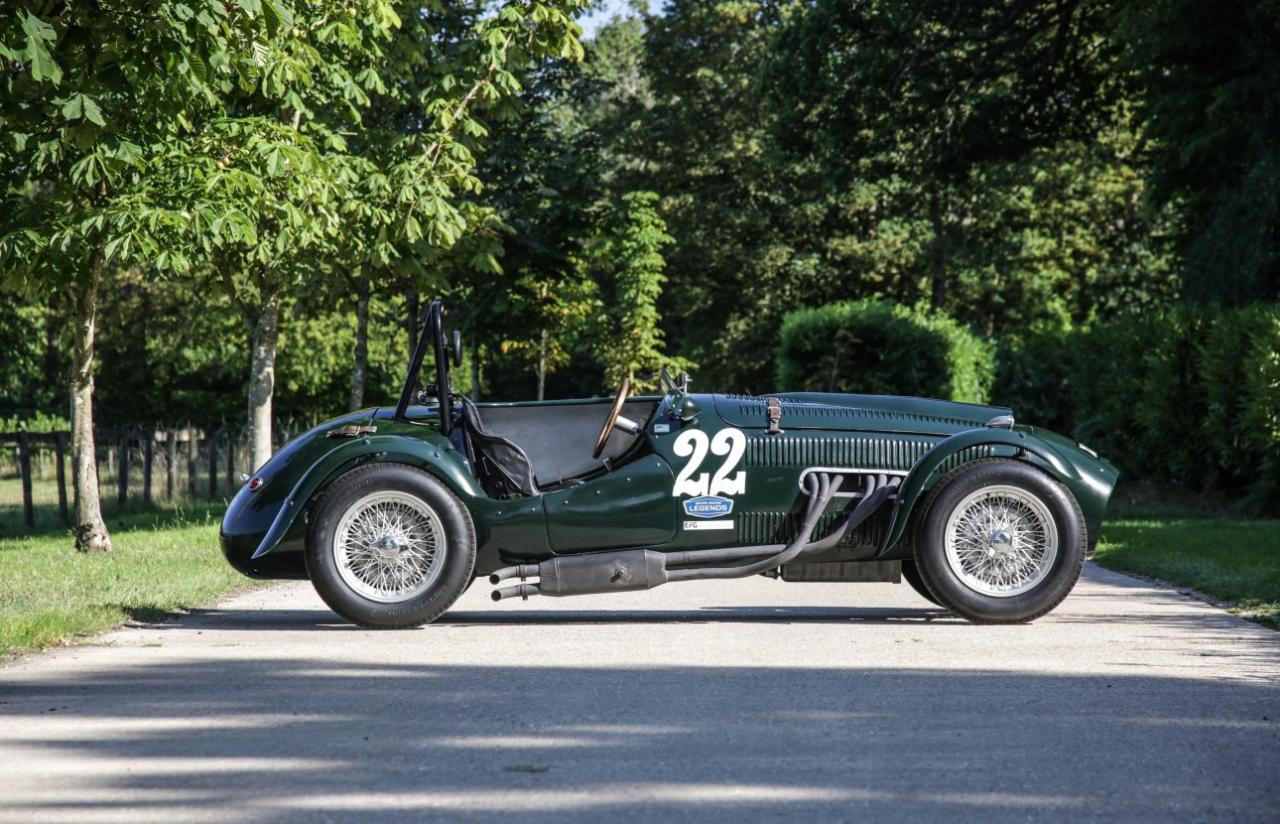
(1231, 560)
(168, 561)
(162, 562)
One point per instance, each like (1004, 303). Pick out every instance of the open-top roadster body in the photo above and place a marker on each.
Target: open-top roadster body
(392, 512)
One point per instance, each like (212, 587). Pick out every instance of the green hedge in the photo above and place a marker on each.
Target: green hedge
(1186, 396)
(880, 348)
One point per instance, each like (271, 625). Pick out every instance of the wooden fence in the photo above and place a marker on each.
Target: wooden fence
(138, 467)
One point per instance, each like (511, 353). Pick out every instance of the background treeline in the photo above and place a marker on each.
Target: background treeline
(1182, 396)
(1071, 193)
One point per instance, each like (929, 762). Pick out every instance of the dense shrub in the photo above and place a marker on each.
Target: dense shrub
(1167, 399)
(1184, 396)
(1034, 376)
(1240, 371)
(880, 348)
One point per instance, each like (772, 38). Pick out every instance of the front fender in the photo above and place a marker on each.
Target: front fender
(960, 448)
(428, 450)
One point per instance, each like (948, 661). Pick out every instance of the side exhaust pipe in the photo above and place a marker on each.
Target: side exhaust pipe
(639, 569)
(522, 571)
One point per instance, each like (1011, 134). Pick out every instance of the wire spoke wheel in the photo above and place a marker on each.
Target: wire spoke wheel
(1001, 541)
(389, 546)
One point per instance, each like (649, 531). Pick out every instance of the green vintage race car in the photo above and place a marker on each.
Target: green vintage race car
(393, 512)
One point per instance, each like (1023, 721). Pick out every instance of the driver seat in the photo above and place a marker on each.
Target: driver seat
(501, 465)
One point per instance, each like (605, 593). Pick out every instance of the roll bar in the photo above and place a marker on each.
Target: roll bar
(433, 335)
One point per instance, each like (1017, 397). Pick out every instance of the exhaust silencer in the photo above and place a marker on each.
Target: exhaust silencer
(586, 574)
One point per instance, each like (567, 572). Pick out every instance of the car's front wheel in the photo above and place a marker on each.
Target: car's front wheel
(390, 547)
(911, 574)
(1000, 542)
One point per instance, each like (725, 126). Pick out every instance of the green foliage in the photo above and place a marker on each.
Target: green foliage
(1104, 392)
(533, 310)
(39, 422)
(1168, 400)
(628, 252)
(89, 99)
(1183, 396)
(1208, 75)
(163, 364)
(33, 367)
(1034, 376)
(877, 347)
(749, 227)
(1240, 374)
(1261, 417)
(1128, 388)
(976, 160)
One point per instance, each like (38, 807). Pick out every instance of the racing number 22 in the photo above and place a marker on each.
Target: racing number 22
(694, 444)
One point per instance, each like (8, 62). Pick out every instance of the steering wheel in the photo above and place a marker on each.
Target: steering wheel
(612, 421)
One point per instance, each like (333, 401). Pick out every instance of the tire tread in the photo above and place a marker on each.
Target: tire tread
(921, 519)
(402, 616)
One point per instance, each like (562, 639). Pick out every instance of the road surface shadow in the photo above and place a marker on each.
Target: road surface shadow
(704, 615)
(209, 735)
(233, 619)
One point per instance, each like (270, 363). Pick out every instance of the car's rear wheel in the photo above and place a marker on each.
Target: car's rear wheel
(1000, 542)
(390, 547)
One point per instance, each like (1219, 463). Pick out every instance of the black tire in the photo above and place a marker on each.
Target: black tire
(911, 574)
(951, 591)
(459, 545)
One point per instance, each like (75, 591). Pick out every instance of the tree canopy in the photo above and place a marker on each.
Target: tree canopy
(1018, 166)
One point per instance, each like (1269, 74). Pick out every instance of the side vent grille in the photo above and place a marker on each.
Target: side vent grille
(836, 451)
(749, 406)
(966, 455)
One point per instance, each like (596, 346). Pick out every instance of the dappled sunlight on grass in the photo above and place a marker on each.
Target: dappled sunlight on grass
(162, 562)
(1231, 560)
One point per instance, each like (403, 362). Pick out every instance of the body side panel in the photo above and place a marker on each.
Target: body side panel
(639, 504)
(629, 507)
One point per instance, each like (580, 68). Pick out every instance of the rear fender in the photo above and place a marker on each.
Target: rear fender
(947, 455)
(435, 455)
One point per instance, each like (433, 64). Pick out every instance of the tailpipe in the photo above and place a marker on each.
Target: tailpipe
(521, 571)
(517, 591)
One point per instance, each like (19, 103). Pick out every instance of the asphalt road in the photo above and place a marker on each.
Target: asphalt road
(748, 700)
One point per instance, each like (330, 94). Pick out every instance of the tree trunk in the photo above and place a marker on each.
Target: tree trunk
(542, 365)
(411, 319)
(90, 530)
(361, 366)
(262, 377)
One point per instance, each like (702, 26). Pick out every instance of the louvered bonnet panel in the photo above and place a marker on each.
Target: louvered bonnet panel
(775, 458)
